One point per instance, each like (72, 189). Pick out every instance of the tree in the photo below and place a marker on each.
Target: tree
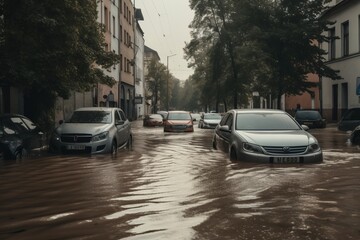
(156, 82)
(289, 33)
(52, 48)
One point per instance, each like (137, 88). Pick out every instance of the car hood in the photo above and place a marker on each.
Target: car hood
(212, 121)
(278, 138)
(81, 128)
(177, 122)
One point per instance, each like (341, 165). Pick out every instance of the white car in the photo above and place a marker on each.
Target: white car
(265, 136)
(209, 120)
(93, 130)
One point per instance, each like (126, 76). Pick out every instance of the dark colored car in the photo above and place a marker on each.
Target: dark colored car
(355, 136)
(310, 118)
(153, 120)
(19, 136)
(350, 120)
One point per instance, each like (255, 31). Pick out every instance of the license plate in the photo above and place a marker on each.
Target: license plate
(75, 147)
(286, 160)
(307, 123)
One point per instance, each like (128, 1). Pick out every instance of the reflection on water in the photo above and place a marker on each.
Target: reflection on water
(175, 186)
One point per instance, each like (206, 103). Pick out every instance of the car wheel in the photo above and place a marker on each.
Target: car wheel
(114, 148)
(129, 143)
(233, 156)
(214, 143)
(21, 154)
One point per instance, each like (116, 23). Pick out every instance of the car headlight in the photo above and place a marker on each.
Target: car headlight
(314, 147)
(100, 137)
(249, 147)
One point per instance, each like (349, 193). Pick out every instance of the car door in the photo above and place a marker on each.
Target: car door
(224, 134)
(123, 126)
(36, 136)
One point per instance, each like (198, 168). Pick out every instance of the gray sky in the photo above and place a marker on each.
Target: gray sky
(166, 30)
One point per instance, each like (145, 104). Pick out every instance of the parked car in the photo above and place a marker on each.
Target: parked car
(350, 120)
(162, 113)
(265, 136)
(310, 118)
(19, 137)
(195, 116)
(178, 121)
(93, 130)
(153, 120)
(209, 120)
(355, 136)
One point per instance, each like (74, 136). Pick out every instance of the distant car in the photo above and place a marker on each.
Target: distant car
(178, 121)
(93, 130)
(195, 116)
(355, 136)
(265, 136)
(350, 120)
(153, 120)
(19, 137)
(310, 118)
(162, 113)
(209, 120)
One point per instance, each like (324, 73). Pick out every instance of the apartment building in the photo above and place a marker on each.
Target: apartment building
(343, 55)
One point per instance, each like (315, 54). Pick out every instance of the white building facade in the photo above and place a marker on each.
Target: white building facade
(139, 71)
(343, 55)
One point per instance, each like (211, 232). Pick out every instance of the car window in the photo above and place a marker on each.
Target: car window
(117, 116)
(179, 116)
(122, 115)
(229, 120)
(29, 123)
(8, 127)
(265, 121)
(353, 114)
(307, 115)
(19, 124)
(91, 117)
(212, 116)
(224, 119)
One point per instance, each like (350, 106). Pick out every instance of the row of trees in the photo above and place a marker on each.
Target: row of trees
(243, 46)
(167, 92)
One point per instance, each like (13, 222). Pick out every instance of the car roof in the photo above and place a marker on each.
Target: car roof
(96, 109)
(257, 110)
(178, 111)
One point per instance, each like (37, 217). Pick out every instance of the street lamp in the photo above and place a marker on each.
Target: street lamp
(167, 81)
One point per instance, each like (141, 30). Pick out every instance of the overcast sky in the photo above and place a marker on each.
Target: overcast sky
(166, 30)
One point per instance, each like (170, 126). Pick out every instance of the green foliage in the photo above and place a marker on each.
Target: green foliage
(52, 48)
(241, 46)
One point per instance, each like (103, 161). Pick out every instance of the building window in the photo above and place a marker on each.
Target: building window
(114, 26)
(121, 37)
(359, 33)
(332, 44)
(120, 5)
(121, 62)
(106, 18)
(345, 38)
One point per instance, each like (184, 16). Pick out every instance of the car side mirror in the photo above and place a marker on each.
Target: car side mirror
(305, 127)
(224, 128)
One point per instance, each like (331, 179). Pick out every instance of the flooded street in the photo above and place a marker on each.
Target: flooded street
(175, 186)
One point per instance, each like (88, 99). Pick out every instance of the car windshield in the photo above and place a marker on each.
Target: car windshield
(353, 114)
(179, 116)
(91, 117)
(265, 121)
(212, 116)
(303, 115)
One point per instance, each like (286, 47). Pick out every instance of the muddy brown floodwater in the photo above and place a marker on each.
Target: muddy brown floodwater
(175, 186)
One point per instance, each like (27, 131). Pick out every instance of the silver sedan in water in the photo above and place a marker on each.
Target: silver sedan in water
(93, 130)
(265, 136)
